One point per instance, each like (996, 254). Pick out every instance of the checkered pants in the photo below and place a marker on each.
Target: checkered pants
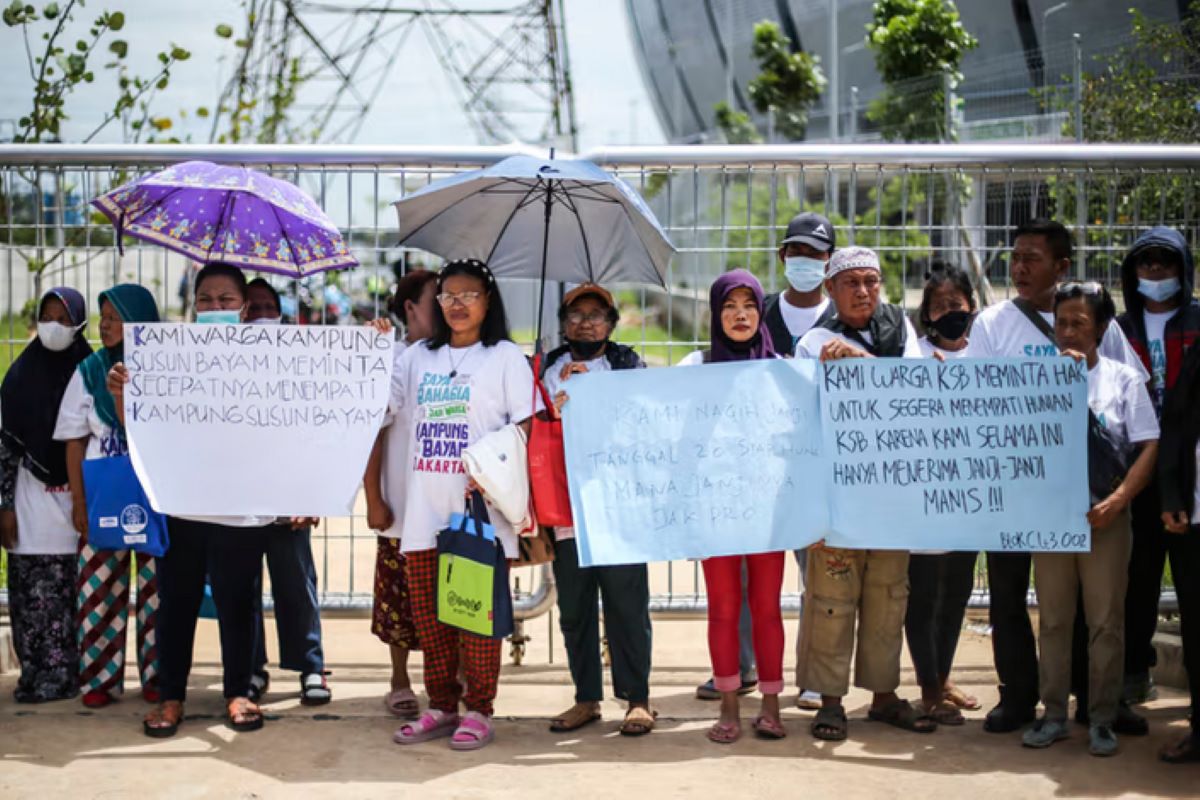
(442, 645)
(103, 612)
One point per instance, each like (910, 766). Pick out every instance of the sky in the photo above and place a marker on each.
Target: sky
(419, 103)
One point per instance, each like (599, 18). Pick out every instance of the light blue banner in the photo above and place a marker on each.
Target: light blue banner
(970, 454)
(691, 462)
(762, 456)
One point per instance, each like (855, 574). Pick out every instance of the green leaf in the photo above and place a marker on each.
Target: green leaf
(50, 11)
(81, 46)
(116, 21)
(162, 82)
(202, 112)
(180, 54)
(119, 47)
(224, 31)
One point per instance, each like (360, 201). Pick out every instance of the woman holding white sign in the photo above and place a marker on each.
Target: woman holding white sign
(464, 382)
(89, 421)
(739, 334)
(227, 550)
(1122, 449)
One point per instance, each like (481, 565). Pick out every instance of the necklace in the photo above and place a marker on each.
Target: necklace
(449, 355)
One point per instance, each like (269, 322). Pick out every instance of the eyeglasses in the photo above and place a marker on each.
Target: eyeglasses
(446, 300)
(595, 318)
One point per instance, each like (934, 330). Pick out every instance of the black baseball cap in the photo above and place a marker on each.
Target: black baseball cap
(813, 230)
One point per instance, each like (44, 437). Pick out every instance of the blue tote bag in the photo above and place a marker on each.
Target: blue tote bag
(119, 513)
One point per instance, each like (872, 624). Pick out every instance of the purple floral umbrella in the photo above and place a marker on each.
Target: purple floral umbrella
(210, 213)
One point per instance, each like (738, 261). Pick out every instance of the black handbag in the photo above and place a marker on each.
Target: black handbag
(1107, 463)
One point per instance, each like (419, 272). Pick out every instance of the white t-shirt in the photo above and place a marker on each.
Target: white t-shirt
(1003, 331)
(1156, 326)
(553, 384)
(799, 320)
(1118, 397)
(43, 518)
(692, 359)
(491, 387)
(396, 434)
(77, 419)
(928, 348)
(810, 344)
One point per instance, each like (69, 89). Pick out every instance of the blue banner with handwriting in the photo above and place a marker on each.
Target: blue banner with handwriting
(751, 457)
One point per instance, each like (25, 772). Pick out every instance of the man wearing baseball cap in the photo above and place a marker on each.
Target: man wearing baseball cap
(588, 316)
(804, 253)
(843, 587)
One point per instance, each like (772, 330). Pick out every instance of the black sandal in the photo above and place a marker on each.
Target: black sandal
(901, 714)
(251, 715)
(259, 683)
(829, 724)
(163, 722)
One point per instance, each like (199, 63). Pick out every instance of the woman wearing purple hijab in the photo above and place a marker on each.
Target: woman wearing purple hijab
(739, 334)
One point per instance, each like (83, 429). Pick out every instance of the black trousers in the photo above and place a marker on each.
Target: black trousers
(1014, 649)
(625, 591)
(297, 607)
(1152, 545)
(231, 559)
(939, 588)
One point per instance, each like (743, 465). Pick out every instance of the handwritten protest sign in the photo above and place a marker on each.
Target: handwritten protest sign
(867, 453)
(985, 454)
(694, 461)
(253, 420)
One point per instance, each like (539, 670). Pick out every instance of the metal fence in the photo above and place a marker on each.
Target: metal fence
(722, 207)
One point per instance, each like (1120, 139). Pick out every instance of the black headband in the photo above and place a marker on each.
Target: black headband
(470, 263)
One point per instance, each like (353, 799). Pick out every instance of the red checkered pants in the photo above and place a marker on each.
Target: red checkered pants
(442, 645)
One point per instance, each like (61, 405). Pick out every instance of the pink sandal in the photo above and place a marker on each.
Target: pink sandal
(433, 724)
(474, 732)
(768, 728)
(402, 703)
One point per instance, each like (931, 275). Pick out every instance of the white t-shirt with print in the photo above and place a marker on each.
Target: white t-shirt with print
(491, 387)
(44, 525)
(1118, 397)
(1156, 327)
(810, 344)
(1003, 331)
(928, 348)
(553, 384)
(799, 321)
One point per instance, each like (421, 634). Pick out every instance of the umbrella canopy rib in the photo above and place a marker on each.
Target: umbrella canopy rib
(587, 250)
(526, 200)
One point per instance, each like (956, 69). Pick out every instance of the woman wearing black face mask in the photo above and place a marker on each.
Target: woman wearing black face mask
(947, 309)
(940, 583)
(588, 315)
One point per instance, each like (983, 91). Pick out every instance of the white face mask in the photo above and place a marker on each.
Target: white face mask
(56, 336)
(804, 273)
(267, 321)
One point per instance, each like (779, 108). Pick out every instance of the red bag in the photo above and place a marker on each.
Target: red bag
(547, 464)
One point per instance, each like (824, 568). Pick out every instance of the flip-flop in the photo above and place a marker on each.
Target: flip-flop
(1184, 751)
(575, 717)
(829, 724)
(901, 714)
(402, 703)
(474, 732)
(725, 732)
(432, 724)
(768, 728)
(961, 699)
(638, 721)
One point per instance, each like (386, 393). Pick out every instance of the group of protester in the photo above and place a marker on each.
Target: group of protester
(1097, 610)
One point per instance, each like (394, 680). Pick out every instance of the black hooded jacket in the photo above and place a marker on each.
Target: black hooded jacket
(1182, 329)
